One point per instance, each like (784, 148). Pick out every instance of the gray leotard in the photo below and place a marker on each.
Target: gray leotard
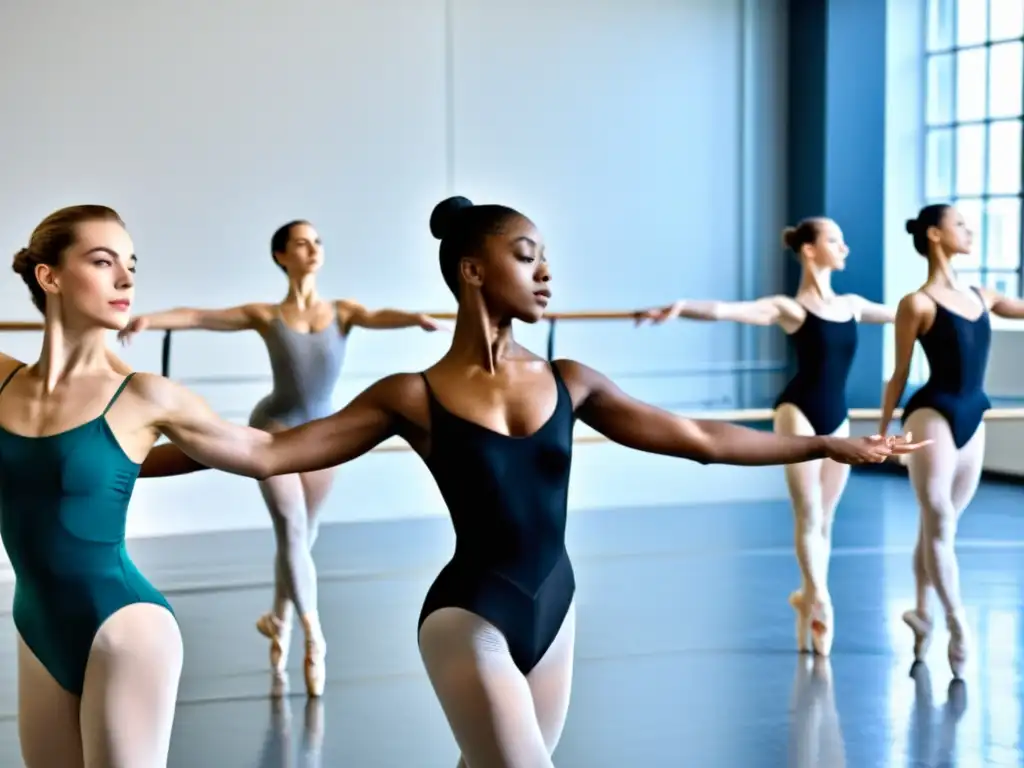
(305, 367)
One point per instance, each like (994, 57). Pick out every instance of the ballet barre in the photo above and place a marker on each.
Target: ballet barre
(744, 415)
(552, 320)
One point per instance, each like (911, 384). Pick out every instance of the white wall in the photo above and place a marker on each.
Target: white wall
(905, 271)
(645, 137)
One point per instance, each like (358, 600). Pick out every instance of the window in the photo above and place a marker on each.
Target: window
(973, 136)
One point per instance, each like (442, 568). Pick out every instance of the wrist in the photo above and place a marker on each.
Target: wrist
(826, 446)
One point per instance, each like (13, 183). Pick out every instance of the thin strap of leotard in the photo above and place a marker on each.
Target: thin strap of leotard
(116, 394)
(559, 382)
(11, 376)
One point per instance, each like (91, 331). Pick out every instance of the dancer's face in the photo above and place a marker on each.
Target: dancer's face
(95, 280)
(952, 235)
(304, 253)
(829, 250)
(513, 274)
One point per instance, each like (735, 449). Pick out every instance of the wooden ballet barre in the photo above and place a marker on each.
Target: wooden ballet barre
(11, 325)
(16, 326)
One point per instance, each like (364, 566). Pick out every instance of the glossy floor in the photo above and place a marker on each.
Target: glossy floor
(684, 654)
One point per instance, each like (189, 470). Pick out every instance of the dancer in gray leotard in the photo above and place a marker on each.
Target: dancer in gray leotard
(306, 367)
(306, 338)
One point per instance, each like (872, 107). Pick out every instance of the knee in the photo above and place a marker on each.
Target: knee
(810, 518)
(939, 519)
(291, 526)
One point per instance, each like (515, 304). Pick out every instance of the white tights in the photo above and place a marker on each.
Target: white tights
(125, 714)
(499, 717)
(815, 488)
(294, 502)
(945, 480)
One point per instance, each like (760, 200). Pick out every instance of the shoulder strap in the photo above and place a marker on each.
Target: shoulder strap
(976, 289)
(426, 382)
(11, 376)
(119, 391)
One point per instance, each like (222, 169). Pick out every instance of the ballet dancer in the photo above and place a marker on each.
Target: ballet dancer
(822, 327)
(952, 324)
(99, 650)
(306, 337)
(493, 423)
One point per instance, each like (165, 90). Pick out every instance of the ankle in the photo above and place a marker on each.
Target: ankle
(283, 612)
(311, 626)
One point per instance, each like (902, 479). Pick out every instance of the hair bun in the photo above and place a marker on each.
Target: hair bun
(444, 215)
(911, 226)
(22, 261)
(787, 236)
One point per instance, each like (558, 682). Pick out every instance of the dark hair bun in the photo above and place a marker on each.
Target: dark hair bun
(911, 226)
(22, 262)
(788, 235)
(445, 213)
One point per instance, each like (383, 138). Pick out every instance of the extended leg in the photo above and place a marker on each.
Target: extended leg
(296, 578)
(932, 472)
(811, 602)
(834, 477)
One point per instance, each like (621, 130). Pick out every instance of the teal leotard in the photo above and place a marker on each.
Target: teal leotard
(63, 505)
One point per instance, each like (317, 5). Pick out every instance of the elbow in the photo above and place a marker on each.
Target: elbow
(706, 451)
(715, 311)
(262, 466)
(263, 469)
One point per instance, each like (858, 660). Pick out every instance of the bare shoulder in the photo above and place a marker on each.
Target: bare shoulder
(398, 391)
(917, 304)
(259, 312)
(581, 380)
(854, 300)
(158, 391)
(8, 365)
(787, 305)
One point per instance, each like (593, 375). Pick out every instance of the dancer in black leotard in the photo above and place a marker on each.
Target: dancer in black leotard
(952, 324)
(822, 327)
(494, 422)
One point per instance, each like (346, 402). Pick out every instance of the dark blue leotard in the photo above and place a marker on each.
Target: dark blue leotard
(507, 497)
(957, 351)
(824, 354)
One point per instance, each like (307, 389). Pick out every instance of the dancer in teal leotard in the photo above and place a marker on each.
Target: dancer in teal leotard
(99, 651)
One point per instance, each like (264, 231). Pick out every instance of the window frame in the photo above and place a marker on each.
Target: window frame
(983, 271)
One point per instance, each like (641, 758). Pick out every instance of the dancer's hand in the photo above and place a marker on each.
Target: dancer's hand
(427, 323)
(135, 325)
(871, 450)
(658, 315)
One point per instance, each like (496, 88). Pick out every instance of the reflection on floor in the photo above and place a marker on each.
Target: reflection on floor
(684, 653)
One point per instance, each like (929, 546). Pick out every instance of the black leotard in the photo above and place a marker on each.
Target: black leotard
(507, 497)
(824, 354)
(957, 352)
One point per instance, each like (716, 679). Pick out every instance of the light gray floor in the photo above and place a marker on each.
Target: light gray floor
(684, 654)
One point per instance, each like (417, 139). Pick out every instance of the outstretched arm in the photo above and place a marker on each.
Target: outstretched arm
(870, 312)
(1003, 306)
(168, 460)
(766, 311)
(210, 441)
(355, 315)
(634, 424)
(241, 318)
